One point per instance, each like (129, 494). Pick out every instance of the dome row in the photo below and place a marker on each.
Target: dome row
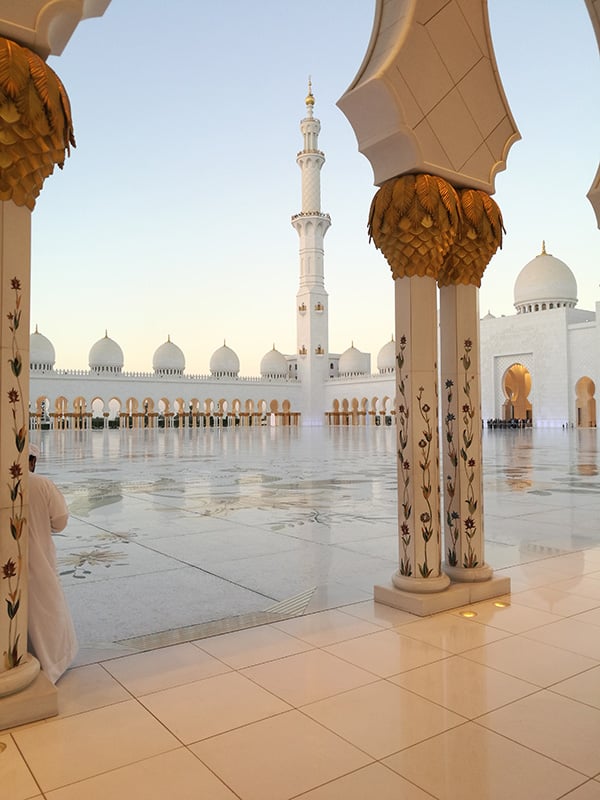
(106, 356)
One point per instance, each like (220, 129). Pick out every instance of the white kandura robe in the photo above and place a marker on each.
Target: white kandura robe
(52, 636)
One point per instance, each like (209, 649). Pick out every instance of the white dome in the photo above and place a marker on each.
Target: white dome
(273, 364)
(351, 362)
(41, 352)
(545, 282)
(168, 359)
(224, 362)
(386, 358)
(106, 356)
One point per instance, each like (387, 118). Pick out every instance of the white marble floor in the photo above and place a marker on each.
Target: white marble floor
(348, 699)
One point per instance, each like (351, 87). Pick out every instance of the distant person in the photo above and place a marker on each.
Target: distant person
(52, 636)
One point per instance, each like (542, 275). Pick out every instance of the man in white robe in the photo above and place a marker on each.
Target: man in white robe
(52, 638)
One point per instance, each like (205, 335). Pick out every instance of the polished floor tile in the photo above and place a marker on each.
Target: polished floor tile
(303, 707)
(252, 646)
(86, 688)
(15, 775)
(584, 687)
(535, 662)
(472, 763)
(570, 634)
(506, 616)
(279, 758)
(164, 668)
(177, 774)
(384, 616)
(553, 600)
(463, 686)
(326, 627)
(307, 677)
(63, 751)
(205, 708)
(561, 728)
(387, 653)
(452, 633)
(375, 781)
(382, 718)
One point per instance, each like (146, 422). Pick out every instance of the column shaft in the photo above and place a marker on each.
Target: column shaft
(461, 432)
(417, 437)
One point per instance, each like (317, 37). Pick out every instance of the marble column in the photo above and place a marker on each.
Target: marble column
(35, 134)
(417, 437)
(461, 434)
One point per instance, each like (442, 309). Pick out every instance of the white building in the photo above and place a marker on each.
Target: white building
(311, 386)
(542, 363)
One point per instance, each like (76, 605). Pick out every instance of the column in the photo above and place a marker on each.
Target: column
(459, 280)
(461, 432)
(35, 133)
(417, 437)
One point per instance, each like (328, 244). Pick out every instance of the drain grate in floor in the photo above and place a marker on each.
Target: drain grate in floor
(285, 609)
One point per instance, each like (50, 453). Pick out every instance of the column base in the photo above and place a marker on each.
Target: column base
(38, 701)
(420, 585)
(462, 575)
(456, 595)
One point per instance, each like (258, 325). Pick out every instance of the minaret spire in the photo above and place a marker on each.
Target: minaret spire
(312, 224)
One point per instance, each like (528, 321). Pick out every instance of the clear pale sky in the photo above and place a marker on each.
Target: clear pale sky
(172, 215)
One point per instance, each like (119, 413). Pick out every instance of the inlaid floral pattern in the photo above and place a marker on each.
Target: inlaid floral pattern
(402, 422)
(469, 463)
(13, 569)
(452, 515)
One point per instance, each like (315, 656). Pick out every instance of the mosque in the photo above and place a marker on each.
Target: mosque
(539, 365)
(311, 386)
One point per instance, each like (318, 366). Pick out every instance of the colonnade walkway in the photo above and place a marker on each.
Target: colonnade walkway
(221, 588)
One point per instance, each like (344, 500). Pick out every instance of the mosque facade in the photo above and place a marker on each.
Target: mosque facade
(539, 366)
(311, 386)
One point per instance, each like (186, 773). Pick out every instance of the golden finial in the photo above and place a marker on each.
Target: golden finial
(310, 100)
(543, 253)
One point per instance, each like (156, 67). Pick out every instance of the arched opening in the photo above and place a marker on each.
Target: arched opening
(516, 385)
(585, 389)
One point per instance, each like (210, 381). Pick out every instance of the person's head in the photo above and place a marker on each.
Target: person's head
(34, 452)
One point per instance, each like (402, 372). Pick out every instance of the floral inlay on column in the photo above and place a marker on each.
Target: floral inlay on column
(402, 417)
(12, 569)
(426, 517)
(452, 515)
(469, 463)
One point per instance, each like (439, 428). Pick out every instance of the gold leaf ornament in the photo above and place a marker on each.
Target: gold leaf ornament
(36, 130)
(413, 220)
(481, 236)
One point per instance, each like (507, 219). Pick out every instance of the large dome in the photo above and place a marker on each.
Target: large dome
(224, 363)
(273, 365)
(545, 282)
(351, 362)
(168, 359)
(41, 352)
(106, 356)
(386, 358)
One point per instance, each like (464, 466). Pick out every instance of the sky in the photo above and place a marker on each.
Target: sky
(172, 215)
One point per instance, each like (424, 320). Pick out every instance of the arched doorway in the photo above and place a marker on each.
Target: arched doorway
(516, 385)
(585, 389)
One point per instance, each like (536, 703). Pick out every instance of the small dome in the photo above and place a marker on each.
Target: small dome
(489, 315)
(106, 356)
(351, 362)
(545, 282)
(224, 363)
(168, 359)
(273, 365)
(386, 358)
(41, 352)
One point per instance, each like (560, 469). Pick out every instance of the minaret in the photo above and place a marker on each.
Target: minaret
(312, 299)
